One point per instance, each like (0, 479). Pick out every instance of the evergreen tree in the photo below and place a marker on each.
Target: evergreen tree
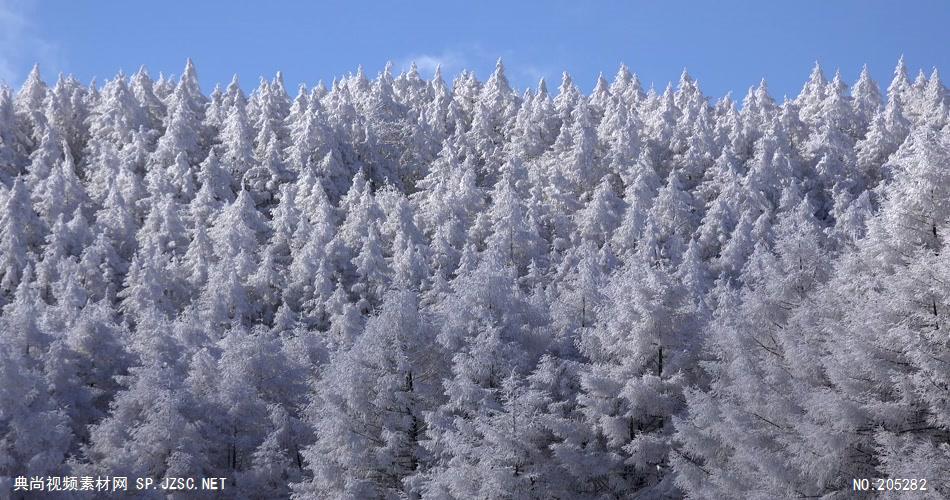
(368, 410)
(61, 192)
(640, 360)
(29, 104)
(597, 221)
(237, 232)
(19, 234)
(866, 100)
(737, 439)
(480, 293)
(238, 155)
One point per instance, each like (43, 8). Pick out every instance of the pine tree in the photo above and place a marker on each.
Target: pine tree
(237, 232)
(29, 104)
(117, 219)
(368, 410)
(581, 292)
(151, 430)
(597, 221)
(101, 267)
(513, 233)
(36, 432)
(146, 289)
(866, 100)
(264, 180)
(117, 114)
(61, 192)
(670, 222)
(812, 95)
(19, 234)
(13, 156)
(500, 452)
(640, 360)
(215, 180)
(735, 436)
(900, 84)
(143, 89)
(934, 103)
(372, 272)
(481, 293)
(238, 155)
(98, 343)
(917, 208)
(271, 106)
(638, 199)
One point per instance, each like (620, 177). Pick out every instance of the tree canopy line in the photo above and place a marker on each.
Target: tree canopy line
(405, 288)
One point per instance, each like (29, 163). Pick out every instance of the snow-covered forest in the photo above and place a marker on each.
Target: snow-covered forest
(402, 287)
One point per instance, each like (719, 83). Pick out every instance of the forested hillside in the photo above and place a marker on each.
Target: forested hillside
(403, 287)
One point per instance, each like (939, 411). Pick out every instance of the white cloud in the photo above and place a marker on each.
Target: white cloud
(450, 61)
(21, 45)
(521, 74)
(531, 75)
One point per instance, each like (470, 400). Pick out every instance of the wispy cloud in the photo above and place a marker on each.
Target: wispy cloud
(531, 74)
(451, 62)
(21, 44)
(481, 60)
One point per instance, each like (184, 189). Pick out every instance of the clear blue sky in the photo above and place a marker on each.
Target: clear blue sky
(727, 45)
